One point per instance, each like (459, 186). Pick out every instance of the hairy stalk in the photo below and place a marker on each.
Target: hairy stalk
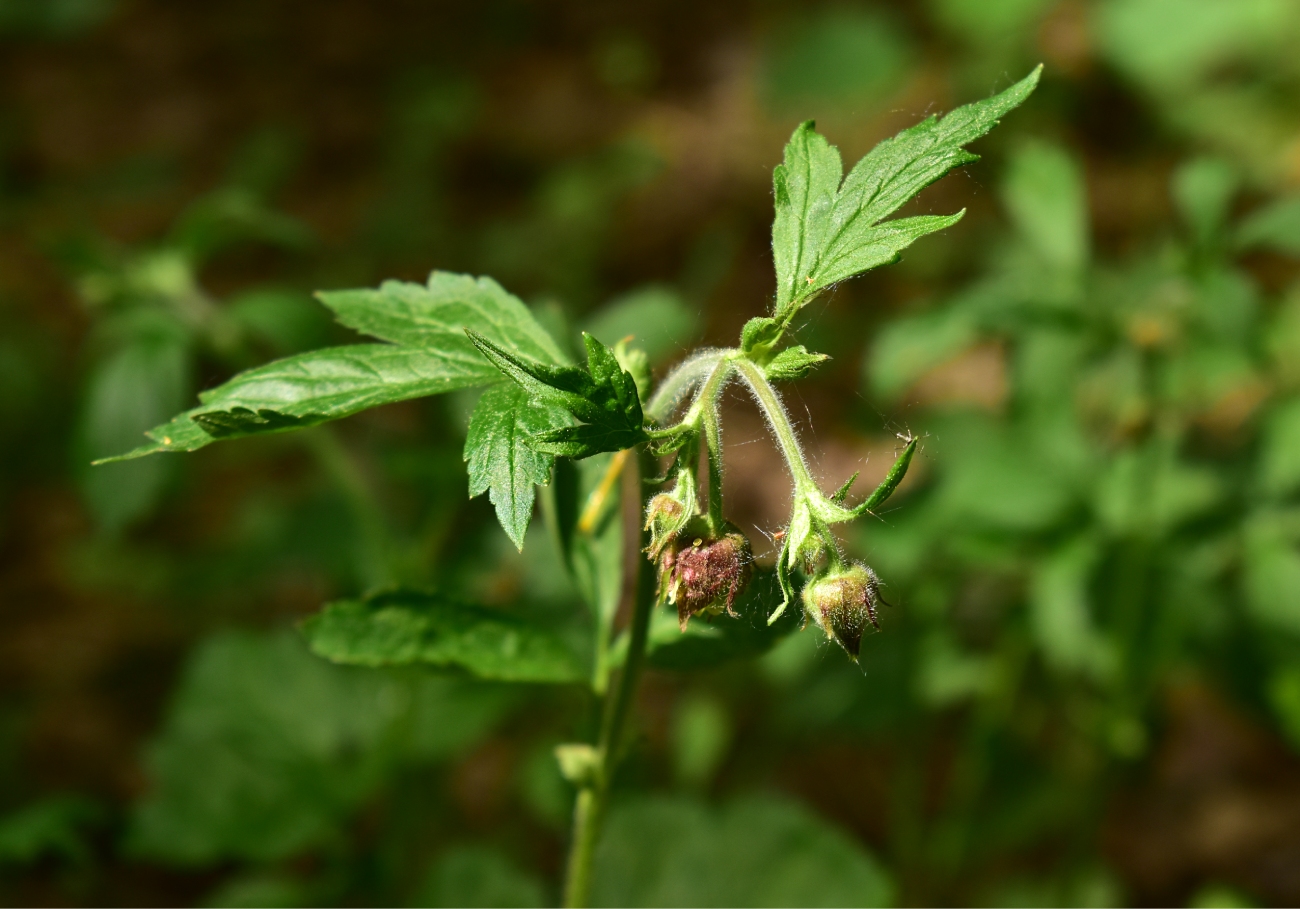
(770, 404)
(713, 446)
(678, 383)
(637, 599)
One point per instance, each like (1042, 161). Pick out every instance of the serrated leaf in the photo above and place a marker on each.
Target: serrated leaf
(793, 363)
(501, 462)
(336, 382)
(603, 398)
(312, 388)
(825, 232)
(403, 628)
(435, 316)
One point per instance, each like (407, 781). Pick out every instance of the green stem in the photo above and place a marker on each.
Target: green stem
(713, 447)
(772, 408)
(592, 801)
(680, 381)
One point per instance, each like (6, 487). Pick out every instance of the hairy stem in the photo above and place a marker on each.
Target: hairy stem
(678, 383)
(592, 801)
(772, 408)
(713, 447)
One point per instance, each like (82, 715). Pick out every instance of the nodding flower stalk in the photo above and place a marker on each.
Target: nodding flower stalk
(809, 545)
(808, 538)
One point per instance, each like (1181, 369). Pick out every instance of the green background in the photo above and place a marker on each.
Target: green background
(1087, 691)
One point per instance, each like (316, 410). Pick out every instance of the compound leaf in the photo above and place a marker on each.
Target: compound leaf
(403, 628)
(825, 232)
(501, 462)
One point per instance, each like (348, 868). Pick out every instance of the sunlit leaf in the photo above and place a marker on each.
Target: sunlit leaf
(501, 462)
(433, 355)
(825, 232)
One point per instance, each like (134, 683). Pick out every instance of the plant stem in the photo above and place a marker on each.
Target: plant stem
(772, 408)
(592, 801)
(713, 447)
(692, 371)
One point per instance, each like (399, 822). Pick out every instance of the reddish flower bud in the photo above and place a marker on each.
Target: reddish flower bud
(842, 602)
(705, 575)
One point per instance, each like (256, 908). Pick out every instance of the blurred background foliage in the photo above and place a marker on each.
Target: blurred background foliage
(1088, 690)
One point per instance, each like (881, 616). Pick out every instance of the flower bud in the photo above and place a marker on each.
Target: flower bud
(842, 602)
(704, 574)
(665, 516)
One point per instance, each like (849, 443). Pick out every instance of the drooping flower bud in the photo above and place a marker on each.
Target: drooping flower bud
(842, 602)
(705, 574)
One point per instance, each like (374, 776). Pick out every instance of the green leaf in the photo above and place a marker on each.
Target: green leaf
(896, 473)
(436, 315)
(825, 232)
(1168, 46)
(312, 388)
(603, 397)
(501, 462)
(794, 363)
(336, 382)
(403, 628)
(757, 851)
(266, 750)
(260, 889)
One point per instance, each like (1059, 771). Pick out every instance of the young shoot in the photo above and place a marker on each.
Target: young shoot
(458, 331)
